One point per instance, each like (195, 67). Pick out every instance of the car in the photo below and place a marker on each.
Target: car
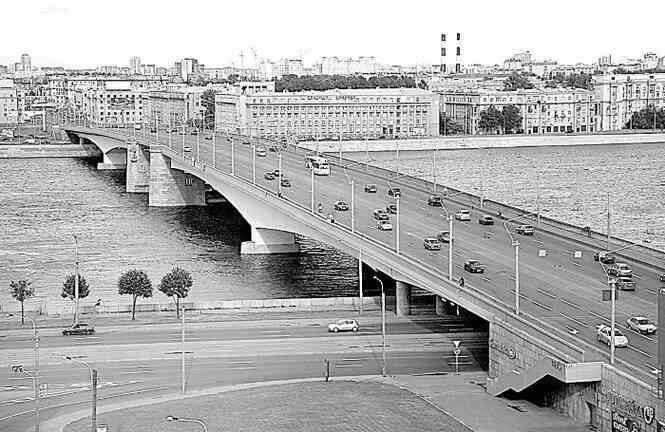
(79, 329)
(175, 129)
(194, 132)
(486, 220)
(182, 132)
(384, 225)
(261, 152)
(137, 126)
(391, 208)
(431, 243)
(246, 142)
(370, 188)
(525, 230)
(285, 182)
(394, 192)
(604, 257)
(463, 215)
(277, 172)
(604, 335)
(625, 283)
(380, 214)
(435, 201)
(620, 269)
(30, 141)
(269, 175)
(207, 137)
(187, 149)
(662, 277)
(443, 236)
(153, 130)
(641, 325)
(474, 266)
(341, 206)
(344, 325)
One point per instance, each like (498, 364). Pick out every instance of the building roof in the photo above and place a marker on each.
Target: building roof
(353, 92)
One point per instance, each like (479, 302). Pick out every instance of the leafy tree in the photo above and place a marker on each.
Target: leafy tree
(516, 81)
(293, 83)
(208, 101)
(176, 283)
(512, 119)
(647, 118)
(21, 290)
(576, 80)
(68, 287)
(491, 119)
(135, 283)
(448, 126)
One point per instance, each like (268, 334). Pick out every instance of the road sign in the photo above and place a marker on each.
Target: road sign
(578, 254)
(102, 428)
(16, 369)
(43, 389)
(457, 351)
(542, 252)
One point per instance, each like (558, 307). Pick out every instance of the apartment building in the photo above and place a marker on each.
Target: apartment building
(11, 103)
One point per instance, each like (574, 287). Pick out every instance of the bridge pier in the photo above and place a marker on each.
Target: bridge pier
(115, 159)
(138, 169)
(439, 305)
(269, 241)
(403, 298)
(172, 188)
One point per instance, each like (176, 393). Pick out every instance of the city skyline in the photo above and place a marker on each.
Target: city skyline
(397, 36)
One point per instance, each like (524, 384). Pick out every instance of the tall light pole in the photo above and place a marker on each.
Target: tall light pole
(353, 195)
(214, 139)
(516, 244)
(253, 148)
(204, 428)
(434, 169)
(76, 280)
(35, 372)
(612, 283)
(183, 379)
(397, 224)
(233, 160)
(609, 221)
(279, 177)
(383, 324)
(93, 388)
(312, 188)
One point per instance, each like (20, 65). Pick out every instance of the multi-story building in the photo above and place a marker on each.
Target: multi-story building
(117, 103)
(347, 66)
(175, 105)
(26, 63)
(135, 66)
(10, 103)
(618, 96)
(543, 110)
(345, 114)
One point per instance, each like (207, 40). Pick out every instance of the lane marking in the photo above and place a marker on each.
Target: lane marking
(640, 351)
(544, 306)
(599, 316)
(576, 263)
(573, 319)
(573, 305)
(545, 292)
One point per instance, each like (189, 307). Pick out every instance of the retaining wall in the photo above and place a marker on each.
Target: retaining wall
(49, 151)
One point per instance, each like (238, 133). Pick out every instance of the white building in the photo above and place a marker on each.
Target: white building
(135, 66)
(11, 104)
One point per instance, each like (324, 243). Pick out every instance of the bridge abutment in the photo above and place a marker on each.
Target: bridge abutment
(115, 159)
(138, 169)
(403, 298)
(439, 305)
(172, 188)
(269, 241)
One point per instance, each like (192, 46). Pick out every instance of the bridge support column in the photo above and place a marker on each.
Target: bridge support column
(439, 305)
(172, 188)
(115, 159)
(268, 241)
(138, 169)
(403, 298)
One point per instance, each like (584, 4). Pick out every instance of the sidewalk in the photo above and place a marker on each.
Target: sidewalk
(367, 403)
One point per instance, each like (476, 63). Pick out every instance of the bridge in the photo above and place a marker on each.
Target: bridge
(541, 340)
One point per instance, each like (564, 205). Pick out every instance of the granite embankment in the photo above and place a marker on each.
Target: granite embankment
(63, 150)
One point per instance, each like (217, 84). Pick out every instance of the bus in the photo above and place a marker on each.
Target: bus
(318, 164)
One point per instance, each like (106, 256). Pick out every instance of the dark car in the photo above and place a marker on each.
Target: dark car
(394, 192)
(207, 137)
(604, 257)
(435, 201)
(380, 214)
(269, 176)
(486, 220)
(195, 132)
(276, 172)
(153, 130)
(341, 206)
(391, 208)
(79, 329)
(370, 188)
(474, 266)
(525, 230)
(272, 149)
(246, 142)
(625, 283)
(286, 182)
(443, 236)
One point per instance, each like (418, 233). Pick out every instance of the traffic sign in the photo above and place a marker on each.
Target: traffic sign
(16, 369)
(457, 351)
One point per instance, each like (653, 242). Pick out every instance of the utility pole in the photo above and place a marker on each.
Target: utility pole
(353, 219)
(76, 281)
(609, 221)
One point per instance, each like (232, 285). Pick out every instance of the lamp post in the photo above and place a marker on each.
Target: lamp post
(93, 388)
(233, 161)
(450, 220)
(76, 280)
(253, 149)
(516, 245)
(353, 217)
(312, 188)
(397, 224)
(204, 428)
(279, 177)
(612, 284)
(214, 138)
(383, 324)
(35, 372)
(183, 379)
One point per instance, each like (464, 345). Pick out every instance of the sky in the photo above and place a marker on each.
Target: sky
(88, 33)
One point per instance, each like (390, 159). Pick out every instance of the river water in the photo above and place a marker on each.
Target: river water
(43, 202)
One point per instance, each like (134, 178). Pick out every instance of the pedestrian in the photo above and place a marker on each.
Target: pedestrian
(461, 281)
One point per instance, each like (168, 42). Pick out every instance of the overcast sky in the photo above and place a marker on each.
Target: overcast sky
(88, 33)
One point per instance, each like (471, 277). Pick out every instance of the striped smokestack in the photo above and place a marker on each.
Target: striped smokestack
(443, 53)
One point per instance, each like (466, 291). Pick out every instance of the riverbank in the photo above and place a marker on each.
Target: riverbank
(57, 150)
(483, 141)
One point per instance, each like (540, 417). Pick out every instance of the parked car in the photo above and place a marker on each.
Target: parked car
(384, 225)
(443, 236)
(432, 243)
(370, 188)
(474, 266)
(394, 192)
(285, 182)
(30, 141)
(269, 175)
(604, 257)
(604, 335)
(625, 283)
(525, 230)
(137, 126)
(620, 269)
(380, 214)
(175, 129)
(391, 208)
(463, 215)
(341, 206)
(641, 325)
(435, 201)
(79, 329)
(344, 325)
(486, 220)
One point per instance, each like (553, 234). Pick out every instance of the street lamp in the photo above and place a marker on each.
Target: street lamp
(516, 245)
(182, 344)
(450, 220)
(170, 418)
(397, 224)
(93, 388)
(35, 372)
(383, 324)
(76, 280)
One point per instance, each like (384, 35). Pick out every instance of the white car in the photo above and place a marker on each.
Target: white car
(344, 325)
(384, 225)
(603, 333)
(463, 215)
(187, 149)
(641, 325)
(261, 152)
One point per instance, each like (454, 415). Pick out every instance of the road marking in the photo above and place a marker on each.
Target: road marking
(640, 351)
(636, 276)
(573, 305)
(272, 331)
(598, 316)
(243, 367)
(545, 292)
(636, 332)
(352, 365)
(544, 306)
(572, 319)
(576, 263)
(485, 278)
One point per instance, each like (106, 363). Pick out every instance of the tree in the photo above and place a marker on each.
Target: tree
(176, 283)
(135, 283)
(21, 290)
(491, 119)
(647, 118)
(208, 102)
(516, 81)
(512, 119)
(68, 287)
(448, 126)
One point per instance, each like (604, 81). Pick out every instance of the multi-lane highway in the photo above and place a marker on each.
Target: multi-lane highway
(559, 288)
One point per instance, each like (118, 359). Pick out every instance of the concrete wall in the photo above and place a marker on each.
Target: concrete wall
(115, 159)
(138, 169)
(169, 187)
(49, 151)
